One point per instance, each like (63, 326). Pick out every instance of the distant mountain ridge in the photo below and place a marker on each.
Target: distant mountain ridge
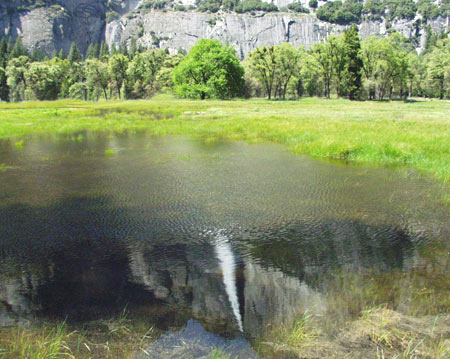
(177, 24)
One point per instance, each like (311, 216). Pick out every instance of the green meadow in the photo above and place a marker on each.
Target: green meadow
(412, 134)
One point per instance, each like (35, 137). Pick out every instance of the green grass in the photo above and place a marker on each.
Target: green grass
(4, 168)
(45, 343)
(115, 338)
(415, 134)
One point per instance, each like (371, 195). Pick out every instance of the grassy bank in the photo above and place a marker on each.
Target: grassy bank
(415, 134)
(379, 333)
(373, 315)
(116, 338)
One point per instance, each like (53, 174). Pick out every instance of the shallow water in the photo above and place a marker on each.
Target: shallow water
(221, 239)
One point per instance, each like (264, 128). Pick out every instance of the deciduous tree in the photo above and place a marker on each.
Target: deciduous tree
(210, 70)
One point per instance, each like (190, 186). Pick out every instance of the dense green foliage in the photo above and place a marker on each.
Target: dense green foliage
(374, 69)
(255, 5)
(211, 70)
(352, 79)
(354, 11)
(4, 91)
(298, 7)
(103, 74)
(341, 12)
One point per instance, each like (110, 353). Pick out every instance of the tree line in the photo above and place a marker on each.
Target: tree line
(345, 66)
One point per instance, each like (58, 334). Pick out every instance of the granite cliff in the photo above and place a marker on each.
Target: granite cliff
(55, 24)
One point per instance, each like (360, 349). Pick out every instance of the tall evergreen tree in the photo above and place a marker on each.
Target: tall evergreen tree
(354, 63)
(104, 51)
(74, 54)
(92, 51)
(3, 53)
(113, 50)
(123, 50)
(61, 54)
(133, 48)
(18, 49)
(10, 44)
(38, 55)
(4, 89)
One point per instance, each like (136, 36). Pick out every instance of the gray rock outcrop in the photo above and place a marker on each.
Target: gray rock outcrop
(62, 22)
(181, 30)
(56, 27)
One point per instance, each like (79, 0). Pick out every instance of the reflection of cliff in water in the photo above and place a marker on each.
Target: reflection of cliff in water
(79, 260)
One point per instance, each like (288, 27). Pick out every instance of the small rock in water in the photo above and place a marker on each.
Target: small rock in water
(194, 342)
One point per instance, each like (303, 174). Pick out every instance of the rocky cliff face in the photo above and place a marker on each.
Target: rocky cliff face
(55, 27)
(62, 22)
(58, 24)
(181, 30)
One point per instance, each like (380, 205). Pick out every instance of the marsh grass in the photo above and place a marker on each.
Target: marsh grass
(422, 291)
(46, 342)
(288, 340)
(4, 167)
(414, 135)
(110, 152)
(116, 338)
(218, 353)
(378, 333)
(372, 314)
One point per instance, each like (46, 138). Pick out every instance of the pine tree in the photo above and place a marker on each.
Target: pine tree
(133, 48)
(18, 49)
(123, 49)
(104, 51)
(3, 53)
(61, 54)
(4, 89)
(354, 64)
(10, 44)
(38, 55)
(92, 51)
(74, 54)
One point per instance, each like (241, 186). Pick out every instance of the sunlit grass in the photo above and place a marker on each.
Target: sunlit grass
(372, 314)
(219, 354)
(47, 342)
(115, 338)
(415, 134)
(377, 333)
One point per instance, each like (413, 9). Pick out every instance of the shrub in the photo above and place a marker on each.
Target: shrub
(298, 7)
(111, 16)
(313, 4)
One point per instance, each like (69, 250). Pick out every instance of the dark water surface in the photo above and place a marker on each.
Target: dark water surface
(217, 239)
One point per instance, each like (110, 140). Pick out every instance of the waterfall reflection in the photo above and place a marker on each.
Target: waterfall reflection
(227, 265)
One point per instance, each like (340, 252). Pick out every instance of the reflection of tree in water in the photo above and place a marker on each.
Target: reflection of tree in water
(84, 258)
